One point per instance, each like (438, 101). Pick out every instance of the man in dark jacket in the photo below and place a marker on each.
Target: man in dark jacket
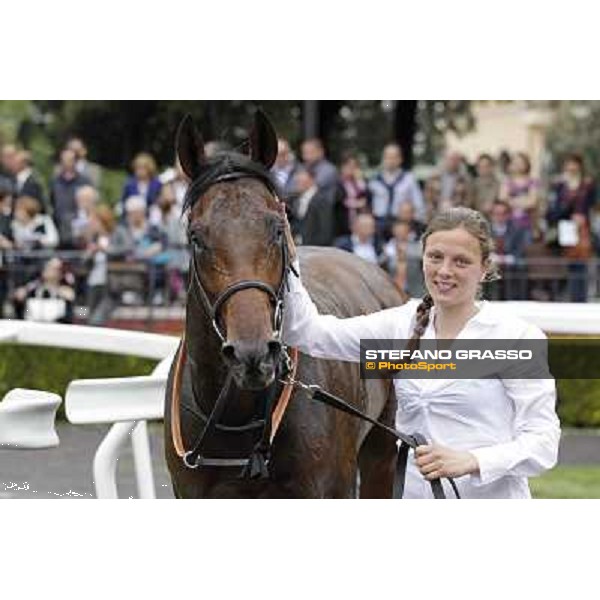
(363, 242)
(313, 211)
(25, 182)
(324, 172)
(510, 241)
(62, 194)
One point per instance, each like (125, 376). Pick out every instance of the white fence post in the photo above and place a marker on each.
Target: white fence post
(105, 460)
(142, 459)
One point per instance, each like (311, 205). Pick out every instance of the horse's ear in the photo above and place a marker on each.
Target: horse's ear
(189, 146)
(263, 140)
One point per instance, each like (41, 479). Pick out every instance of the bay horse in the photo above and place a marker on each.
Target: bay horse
(226, 387)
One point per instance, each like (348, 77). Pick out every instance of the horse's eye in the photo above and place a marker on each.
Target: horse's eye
(278, 235)
(196, 240)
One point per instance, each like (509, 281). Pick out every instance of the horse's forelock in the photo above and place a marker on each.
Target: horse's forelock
(227, 166)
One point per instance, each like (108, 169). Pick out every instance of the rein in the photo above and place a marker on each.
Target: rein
(407, 442)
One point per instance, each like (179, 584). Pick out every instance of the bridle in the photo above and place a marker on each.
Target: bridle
(273, 407)
(213, 308)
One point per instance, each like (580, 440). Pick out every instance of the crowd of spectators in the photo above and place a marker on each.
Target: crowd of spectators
(380, 217)
(545, 233)
(141, 232)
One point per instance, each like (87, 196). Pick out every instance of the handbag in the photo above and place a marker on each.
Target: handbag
(582, 249)
(45, 310)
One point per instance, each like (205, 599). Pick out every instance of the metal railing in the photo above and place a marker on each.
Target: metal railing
(546, 279)
(142, 279)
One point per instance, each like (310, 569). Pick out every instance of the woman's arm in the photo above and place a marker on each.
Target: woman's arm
(49, 237)
(534, 447)
(329, 337)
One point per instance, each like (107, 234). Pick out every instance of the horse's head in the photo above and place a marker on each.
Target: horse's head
(239, 250)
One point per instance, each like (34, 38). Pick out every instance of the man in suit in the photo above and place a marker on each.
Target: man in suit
(84, 167)
(324, 172)
(26, 183)
(63, 189)
(313, 212)
(362, 241)
(510, 241)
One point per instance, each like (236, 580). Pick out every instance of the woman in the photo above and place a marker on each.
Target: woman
(522, 192)
(99, 230)
(143, 182)
(31, 229)
(490, 434)
(354, 189)
(49, 298)
(568, 217)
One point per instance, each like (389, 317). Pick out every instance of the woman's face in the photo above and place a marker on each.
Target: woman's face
(142, 171)
(452, 267)
(21, 215)
(571, 169)
(518, 166)
(52, 271)
(349, 168)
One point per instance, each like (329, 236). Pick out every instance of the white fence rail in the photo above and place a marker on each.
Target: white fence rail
(128, 403)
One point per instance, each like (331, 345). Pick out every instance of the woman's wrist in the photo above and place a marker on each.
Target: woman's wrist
(473, 464)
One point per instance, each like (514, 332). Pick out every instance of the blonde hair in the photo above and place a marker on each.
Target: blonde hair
(473, 222)
(31, 206)
(143, 159)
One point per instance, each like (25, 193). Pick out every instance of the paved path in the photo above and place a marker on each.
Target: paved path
(66, 471)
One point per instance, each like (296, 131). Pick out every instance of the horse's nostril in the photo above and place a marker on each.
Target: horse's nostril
(228, 351)
(274, 348)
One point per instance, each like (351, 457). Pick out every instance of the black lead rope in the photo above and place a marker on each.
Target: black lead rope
(407, 441)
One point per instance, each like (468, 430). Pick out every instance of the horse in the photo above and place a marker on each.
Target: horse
(234, 427)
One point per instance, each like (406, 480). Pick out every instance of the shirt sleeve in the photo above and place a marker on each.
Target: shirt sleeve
(534, 447)
(328, 336)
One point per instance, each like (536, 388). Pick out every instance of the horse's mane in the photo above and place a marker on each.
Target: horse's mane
(227, 166)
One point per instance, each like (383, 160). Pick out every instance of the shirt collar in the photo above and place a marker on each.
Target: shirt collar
(23, 175)
(484, 315)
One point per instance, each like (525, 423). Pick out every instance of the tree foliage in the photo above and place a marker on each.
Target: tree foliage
(576, 128)
(115, 130)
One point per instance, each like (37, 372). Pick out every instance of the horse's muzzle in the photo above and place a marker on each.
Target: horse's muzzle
(253, 364)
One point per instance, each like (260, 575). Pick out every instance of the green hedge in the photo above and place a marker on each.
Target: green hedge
(52, 369)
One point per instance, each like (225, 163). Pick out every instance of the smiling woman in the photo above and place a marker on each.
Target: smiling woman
(489, 434)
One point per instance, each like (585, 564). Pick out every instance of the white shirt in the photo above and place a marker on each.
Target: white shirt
(303, 202)
(509, 425)
(21, 178)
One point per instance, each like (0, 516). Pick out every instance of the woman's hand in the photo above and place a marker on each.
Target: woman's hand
(436, 461)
